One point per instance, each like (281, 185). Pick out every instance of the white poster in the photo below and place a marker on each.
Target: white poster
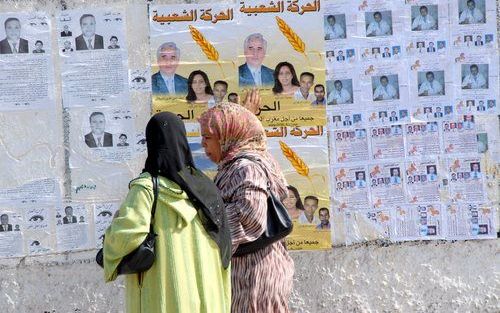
(27, 79)
(418, 222)
(93, 55)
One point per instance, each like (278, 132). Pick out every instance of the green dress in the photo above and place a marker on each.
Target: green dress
(187, 275)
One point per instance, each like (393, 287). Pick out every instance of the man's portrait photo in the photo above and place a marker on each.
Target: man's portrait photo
(67, 46)
(378, 23)
(98, 137)
(335, 26)
(441, 45)
(403, 114)
(253, 72)
(319, 93)
(113, 43)
(69, 218)
(396, 130)
(122, 141)
(88, 40)
(395, 176)
(431, 83)
(396, 51)
(13, 43)
(468, 122)
(475, 170)
(385, 87)
(340, 92)
(324, 217)
(38, 47)
(4, 220)
(424, 17)
(387, 52)
(166, 81)
(431, 173)
(360, 179)
(393, 117)
(479, 41)
(471, 12)
(475, 76)
(431, 47)
(488, 38)
(66, 32)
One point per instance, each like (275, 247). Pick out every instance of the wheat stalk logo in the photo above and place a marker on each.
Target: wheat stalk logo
(298, 164)
(293, 38)
(208, 49)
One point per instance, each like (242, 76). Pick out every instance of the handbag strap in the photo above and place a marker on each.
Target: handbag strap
(261, 166)
(153, 210)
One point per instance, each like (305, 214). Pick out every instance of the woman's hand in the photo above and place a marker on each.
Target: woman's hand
(252, 101)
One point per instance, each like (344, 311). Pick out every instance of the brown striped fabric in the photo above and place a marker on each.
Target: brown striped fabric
(261, 281)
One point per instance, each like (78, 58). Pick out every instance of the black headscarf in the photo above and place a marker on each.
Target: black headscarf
(169, 156)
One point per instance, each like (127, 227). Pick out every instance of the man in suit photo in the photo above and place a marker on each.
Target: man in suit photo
(88, 40)
(253, 72)
(69, 218)
(13, 43)
(479, 41)
(66, 32)
(387, 53)
(5, 226)
(431, 47)
(98, 137)
(166, 81)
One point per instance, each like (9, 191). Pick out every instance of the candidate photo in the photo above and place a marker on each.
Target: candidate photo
(360, 179)
(424, 17)
(13, 43)
(253, 72)
(339, 92)
(98, 138)
(5, 225)
(471, 12)
(66, 32)
(166, 81)
(199, 89)
(385, 87)
(69, 218)
(334, 27)
(395, 176)
(88, 40)
(475, 76)
(431, 83)
(431, 173)
(378, 23)
(38, 47)
(286, 82)
(475, 170)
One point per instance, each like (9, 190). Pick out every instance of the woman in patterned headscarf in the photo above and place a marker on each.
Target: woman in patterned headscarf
(234, 138)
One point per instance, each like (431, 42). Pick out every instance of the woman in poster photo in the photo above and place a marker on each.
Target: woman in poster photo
(293, 203)
(199, 89)
(286, 82)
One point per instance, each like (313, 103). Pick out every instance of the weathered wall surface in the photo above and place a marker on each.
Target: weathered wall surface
(410, 277)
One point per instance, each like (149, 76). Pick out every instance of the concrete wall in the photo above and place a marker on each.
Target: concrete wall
(409, 277)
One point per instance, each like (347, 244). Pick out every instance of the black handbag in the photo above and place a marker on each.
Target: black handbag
(279, 223)
(142, 258)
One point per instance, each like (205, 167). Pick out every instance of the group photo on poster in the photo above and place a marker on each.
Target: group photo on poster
(193, 58)
(296, 82)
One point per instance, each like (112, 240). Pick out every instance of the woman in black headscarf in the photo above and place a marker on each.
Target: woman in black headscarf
(193, 245)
